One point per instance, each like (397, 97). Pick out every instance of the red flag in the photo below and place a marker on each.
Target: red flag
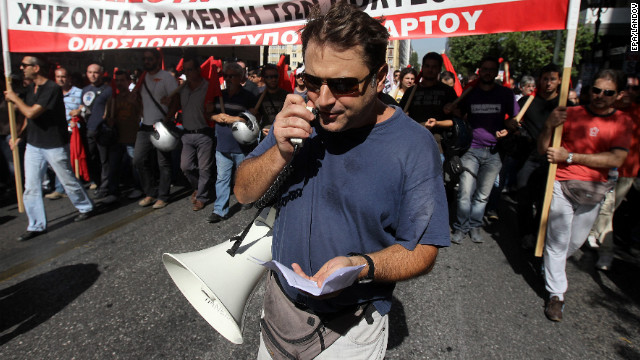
(140, 82)
(77, 153)
(292, 80)
(161, 57)
(283, 70)
(212, 76)
(506, 75)
(112, 83)
(180, 65)
(206, 68)
(449, 67)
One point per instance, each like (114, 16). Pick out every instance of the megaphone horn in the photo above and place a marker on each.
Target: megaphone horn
(217, 284)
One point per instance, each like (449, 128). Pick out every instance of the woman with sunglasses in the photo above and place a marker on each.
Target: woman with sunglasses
(407, 79)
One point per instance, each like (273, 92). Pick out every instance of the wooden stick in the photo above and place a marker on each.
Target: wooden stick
(462, 96)
(77, 164)
(17, 168)
(6, 57)
(260, 100)
(413, 92)
(551, 176)
(524, 109)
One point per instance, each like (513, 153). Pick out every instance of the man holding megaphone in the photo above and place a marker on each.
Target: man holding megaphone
(366, 189)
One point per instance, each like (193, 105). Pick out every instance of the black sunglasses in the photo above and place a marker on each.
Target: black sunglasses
(230, 76)
(597, 91)
(271, 77)
(338, 86)
(26, 65)
(633, 87)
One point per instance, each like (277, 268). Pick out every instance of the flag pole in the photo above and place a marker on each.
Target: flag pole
(572, 29)
(12, 114)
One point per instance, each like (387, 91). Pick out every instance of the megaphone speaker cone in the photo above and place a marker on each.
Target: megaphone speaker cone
(208, 305)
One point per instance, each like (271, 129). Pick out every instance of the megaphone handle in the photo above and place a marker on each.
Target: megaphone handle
(235, 246)
(239, 238)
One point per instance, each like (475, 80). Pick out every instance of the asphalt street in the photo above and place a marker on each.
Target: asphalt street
(98, 290)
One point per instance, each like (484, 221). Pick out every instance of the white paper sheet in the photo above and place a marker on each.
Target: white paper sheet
(338, 280)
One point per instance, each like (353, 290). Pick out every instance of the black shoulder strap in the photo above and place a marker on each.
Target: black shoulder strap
(144, 83)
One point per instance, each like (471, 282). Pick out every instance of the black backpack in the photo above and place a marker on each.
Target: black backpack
(457, 140)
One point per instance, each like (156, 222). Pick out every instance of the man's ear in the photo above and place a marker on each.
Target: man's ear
(381, 77)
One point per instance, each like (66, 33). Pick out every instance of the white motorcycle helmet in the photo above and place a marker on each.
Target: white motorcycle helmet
(246, 133)
(163, 138)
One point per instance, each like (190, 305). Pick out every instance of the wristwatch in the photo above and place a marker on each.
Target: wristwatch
(369, 277)
(570, 158)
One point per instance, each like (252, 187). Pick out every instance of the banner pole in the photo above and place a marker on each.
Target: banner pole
(572, 29)
(6, 56)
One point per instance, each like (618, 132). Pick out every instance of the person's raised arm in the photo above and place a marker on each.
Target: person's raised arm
(255, 175)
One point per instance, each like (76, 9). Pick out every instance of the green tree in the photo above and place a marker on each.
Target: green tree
(526, 52)
(413, 60)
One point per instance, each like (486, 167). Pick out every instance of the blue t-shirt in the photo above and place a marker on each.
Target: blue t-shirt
(360, 191)
(234, 106)
(95, 100)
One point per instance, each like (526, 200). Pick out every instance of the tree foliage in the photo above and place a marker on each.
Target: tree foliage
(413, 60)
(526, 52)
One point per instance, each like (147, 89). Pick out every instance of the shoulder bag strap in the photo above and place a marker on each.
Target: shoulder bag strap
(152, 98)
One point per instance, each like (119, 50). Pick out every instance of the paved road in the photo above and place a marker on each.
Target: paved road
(98, 290)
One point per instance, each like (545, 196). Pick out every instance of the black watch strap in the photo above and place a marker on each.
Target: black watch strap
(372, 269)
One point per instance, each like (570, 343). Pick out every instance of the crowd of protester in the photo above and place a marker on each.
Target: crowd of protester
(488, 155)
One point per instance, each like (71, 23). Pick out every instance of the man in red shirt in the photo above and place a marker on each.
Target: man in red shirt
(602, 229)
(595, 138)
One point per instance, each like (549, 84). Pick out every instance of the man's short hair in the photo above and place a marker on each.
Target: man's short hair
(194, 60)
(613, 75)
(233, 66)
(101, 71)
(344, 26)
(432, 56)
(526, 80)
(61, 68)
(155, 52)
(268, 67)
(551, 67)
(490, 58)
(42, 63)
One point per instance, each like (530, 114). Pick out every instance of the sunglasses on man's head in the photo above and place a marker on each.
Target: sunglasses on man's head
(597, 91)
(338, 86)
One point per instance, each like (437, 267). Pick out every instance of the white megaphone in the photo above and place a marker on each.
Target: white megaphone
(218, 284)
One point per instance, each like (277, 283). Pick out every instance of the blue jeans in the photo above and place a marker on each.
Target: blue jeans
(35, 165)
(58, 185)
(473, 192)
(225, 163)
